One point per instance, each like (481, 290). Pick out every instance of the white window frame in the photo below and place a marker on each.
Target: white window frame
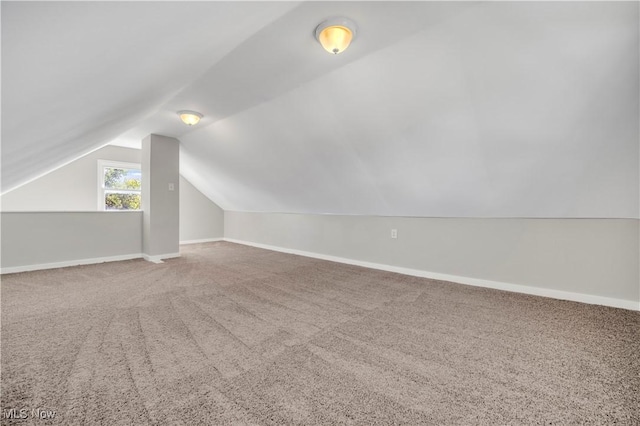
(102, 190)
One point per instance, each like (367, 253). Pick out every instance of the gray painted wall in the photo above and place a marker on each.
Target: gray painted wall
(200, 218)
(160, 196)
(596, 257)
(589, 256)
(36, 238)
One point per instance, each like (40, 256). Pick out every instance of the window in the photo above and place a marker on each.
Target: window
(119, 185)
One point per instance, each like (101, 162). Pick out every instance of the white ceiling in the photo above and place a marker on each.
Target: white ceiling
(492, 109)
(76, 75)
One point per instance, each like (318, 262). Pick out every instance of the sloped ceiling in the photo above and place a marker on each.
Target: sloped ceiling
(493, 109)
(76, 75)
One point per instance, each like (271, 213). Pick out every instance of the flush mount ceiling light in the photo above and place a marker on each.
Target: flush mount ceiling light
(189, 117)
(336, 34)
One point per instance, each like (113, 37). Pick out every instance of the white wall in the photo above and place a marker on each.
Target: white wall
(35, 240)
(200, 218)
(74, 187)
(589, 257)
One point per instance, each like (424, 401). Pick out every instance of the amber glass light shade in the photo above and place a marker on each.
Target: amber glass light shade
(189, 117)
(335, 39)
(336, 34)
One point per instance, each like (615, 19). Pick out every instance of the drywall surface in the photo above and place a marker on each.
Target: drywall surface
(597, 257)
(160, 196)
(65, 94)
(503, 109)
(200, 218)
(73, 187)
(42, 238)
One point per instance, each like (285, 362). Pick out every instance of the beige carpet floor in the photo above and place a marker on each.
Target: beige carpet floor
(229, 334)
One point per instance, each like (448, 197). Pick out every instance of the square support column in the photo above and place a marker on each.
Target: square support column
(160, 198)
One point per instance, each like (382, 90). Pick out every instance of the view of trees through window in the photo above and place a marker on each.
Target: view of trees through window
(122, 189)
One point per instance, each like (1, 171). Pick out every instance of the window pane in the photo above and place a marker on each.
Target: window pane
(122, 201)
(121, 178)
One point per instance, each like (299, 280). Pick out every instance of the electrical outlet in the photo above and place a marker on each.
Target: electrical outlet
(394, 233)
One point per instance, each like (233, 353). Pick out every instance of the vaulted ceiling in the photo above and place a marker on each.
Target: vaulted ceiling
(490, 109)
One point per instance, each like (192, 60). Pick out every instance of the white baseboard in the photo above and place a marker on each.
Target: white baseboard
(55, 265)
(158, 258)
(205, 240)
(536, 291)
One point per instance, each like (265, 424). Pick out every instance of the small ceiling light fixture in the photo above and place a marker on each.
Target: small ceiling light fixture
(336, 34)
(189, 117)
